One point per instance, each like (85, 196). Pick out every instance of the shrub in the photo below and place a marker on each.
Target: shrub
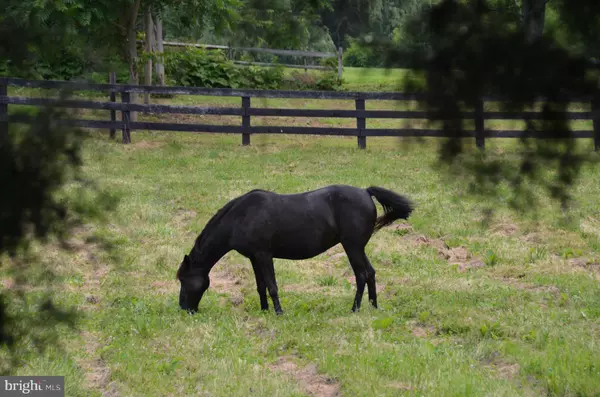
(201, 68)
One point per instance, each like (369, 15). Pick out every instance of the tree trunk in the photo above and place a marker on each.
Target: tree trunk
(132, 55)
(534, 15)
(160, 66)
(149, 50)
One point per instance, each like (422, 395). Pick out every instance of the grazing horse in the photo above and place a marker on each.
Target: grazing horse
(263, 225)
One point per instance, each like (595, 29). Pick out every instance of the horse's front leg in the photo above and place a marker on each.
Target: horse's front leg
(261, 286)
(264, 262)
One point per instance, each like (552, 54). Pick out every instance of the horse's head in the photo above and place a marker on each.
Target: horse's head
(194, 282)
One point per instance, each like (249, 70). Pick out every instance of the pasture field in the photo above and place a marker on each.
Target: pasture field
(470, 305)
(364, 79)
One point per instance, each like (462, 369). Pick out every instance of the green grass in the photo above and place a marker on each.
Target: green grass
(526, 323)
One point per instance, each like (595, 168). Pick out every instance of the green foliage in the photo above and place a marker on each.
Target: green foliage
(262, 78)
(204, 68)
(383, 323)
(360, 55)
(201, 68)
(491, 258)
(327, 281)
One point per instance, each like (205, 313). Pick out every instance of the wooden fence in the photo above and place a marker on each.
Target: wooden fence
(246, 111)
(295, 53)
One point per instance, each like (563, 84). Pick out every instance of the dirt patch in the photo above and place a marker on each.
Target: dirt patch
(458, 256)
(308, 378)
(400, 386)
(402, 228)
(516, 283)
(504, 229)
(336, 257)
(97, 373)
(587, 264)
(474, 264)
(535, 238)
(226, 282)
(184, 215)
(147, 144)
(422, 332)
(96, 277)
(8, 283)
(165, 287)
(502, 369)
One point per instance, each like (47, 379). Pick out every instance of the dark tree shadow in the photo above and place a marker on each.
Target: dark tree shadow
(463, 51)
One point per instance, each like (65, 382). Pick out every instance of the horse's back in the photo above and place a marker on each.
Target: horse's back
(302, 225)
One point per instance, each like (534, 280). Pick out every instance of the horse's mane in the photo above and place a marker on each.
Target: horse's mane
(216, 218)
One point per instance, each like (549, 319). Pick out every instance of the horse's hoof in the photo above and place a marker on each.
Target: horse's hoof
(279, 312)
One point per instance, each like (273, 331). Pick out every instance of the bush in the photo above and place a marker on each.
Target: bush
(202, 68)
(362, 56)
(262, 78)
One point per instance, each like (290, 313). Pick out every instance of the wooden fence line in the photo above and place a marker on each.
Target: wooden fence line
(246, 111)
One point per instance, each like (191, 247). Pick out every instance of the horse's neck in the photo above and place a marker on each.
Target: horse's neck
(212, 247)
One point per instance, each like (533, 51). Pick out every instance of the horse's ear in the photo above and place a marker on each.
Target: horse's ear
(186, 260)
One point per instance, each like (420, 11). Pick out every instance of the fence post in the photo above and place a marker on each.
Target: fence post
(361, 124)
(112, 79)
(246, 121)
(479, 125)
(3, 111)
(340, 61)
(596, 123)
(126, 116)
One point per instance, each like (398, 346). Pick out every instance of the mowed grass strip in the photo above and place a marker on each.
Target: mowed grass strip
(505, 308)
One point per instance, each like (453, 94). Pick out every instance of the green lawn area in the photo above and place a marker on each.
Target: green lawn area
(365, 79)
(507, 308)
(373, 79)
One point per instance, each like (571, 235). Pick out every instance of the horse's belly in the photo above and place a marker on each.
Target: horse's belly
(303, 248)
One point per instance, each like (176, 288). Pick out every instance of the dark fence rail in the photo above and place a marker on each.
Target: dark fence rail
(246, 111)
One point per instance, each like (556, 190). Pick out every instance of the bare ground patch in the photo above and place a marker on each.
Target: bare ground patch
(504, 229)
(586, 264)
(147, 144)
(184, 215)
(165, 287)
(97, 373)
(458, 256)
(422, 331)
(401, 386)
(225, 281)
(313, 383)
(517, 283)
(500, 367)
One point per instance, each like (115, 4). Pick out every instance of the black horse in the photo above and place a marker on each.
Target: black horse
(263, 225)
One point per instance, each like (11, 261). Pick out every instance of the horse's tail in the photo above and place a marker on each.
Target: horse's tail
(394, 205)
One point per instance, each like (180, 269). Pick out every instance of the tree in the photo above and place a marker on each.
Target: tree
(36, 162)
(475, 49)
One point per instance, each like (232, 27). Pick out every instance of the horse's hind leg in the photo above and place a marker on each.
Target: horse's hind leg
(371, 282)
(261, 286)
(265, 263)
(362, 272)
